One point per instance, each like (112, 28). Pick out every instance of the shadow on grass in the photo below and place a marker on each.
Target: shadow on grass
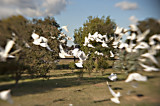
(7, 78)
(151, 77)
(101, 100)
(41, 86)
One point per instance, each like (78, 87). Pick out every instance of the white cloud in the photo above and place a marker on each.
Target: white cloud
(31, 8)
(125, 5)
(133, 19)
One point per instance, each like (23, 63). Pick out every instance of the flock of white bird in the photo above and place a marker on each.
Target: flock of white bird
(136, 43)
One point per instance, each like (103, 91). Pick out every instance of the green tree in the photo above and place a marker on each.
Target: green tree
(35, 59)
(104, 26)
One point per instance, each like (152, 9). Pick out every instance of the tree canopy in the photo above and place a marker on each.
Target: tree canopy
(35, 59)
(102, 26)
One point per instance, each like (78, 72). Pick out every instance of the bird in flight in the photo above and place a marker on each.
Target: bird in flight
(116, 96)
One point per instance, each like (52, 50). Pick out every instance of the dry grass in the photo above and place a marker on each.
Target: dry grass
(64, 88)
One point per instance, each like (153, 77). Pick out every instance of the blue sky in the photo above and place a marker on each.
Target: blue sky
(77, 11)
(74, 13)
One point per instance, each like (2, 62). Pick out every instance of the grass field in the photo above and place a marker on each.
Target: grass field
(66, 87)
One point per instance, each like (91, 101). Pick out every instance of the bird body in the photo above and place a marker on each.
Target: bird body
(6, 96)
(141, 45)
(35, 36)
(4, 53)
(104, 44)
(63, 41)
(86, 41)
(43, 44)
(116, 96)
(98, 53)
(36, 42)
(53, 37)
(151, 57)
(112, 77)
(75, 52)
(62, 35)
(40, 40)
(140, 37)
(65, 28)
(90, 45)
(79, 64)
(153, 38)
(82, 56)
(133, 36)
(111, 54)
(136, 76)
(115, 100)
(118, 30)
(62, 53)
(123, 45)
(133, 27)
(149, 68)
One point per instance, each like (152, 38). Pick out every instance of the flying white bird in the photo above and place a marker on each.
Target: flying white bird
(62, 53)
(141, 45)
(125, 30)
(86, 41)
(98, 53)
(65, 28)
(41, 41)
(35, 36)
(95, 35)
(90, 45)
(46, 46)
(141, 36)
(81, 55)
(123, 45)
(99, 40)
(79, 64)
(133, 36)
(157, 47)
(133, 27)
(112, 77)
(75, 52)
(142, 59)
(151, 57)
(130, 47)
(104, 44)
(135, 76)
(111, 54)
(4, 53)
(118, 30)
(62, 34)
(53, 37)
(116, 96)
(153, 38)
(149, 68)
(62, 41)
(6, 96)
